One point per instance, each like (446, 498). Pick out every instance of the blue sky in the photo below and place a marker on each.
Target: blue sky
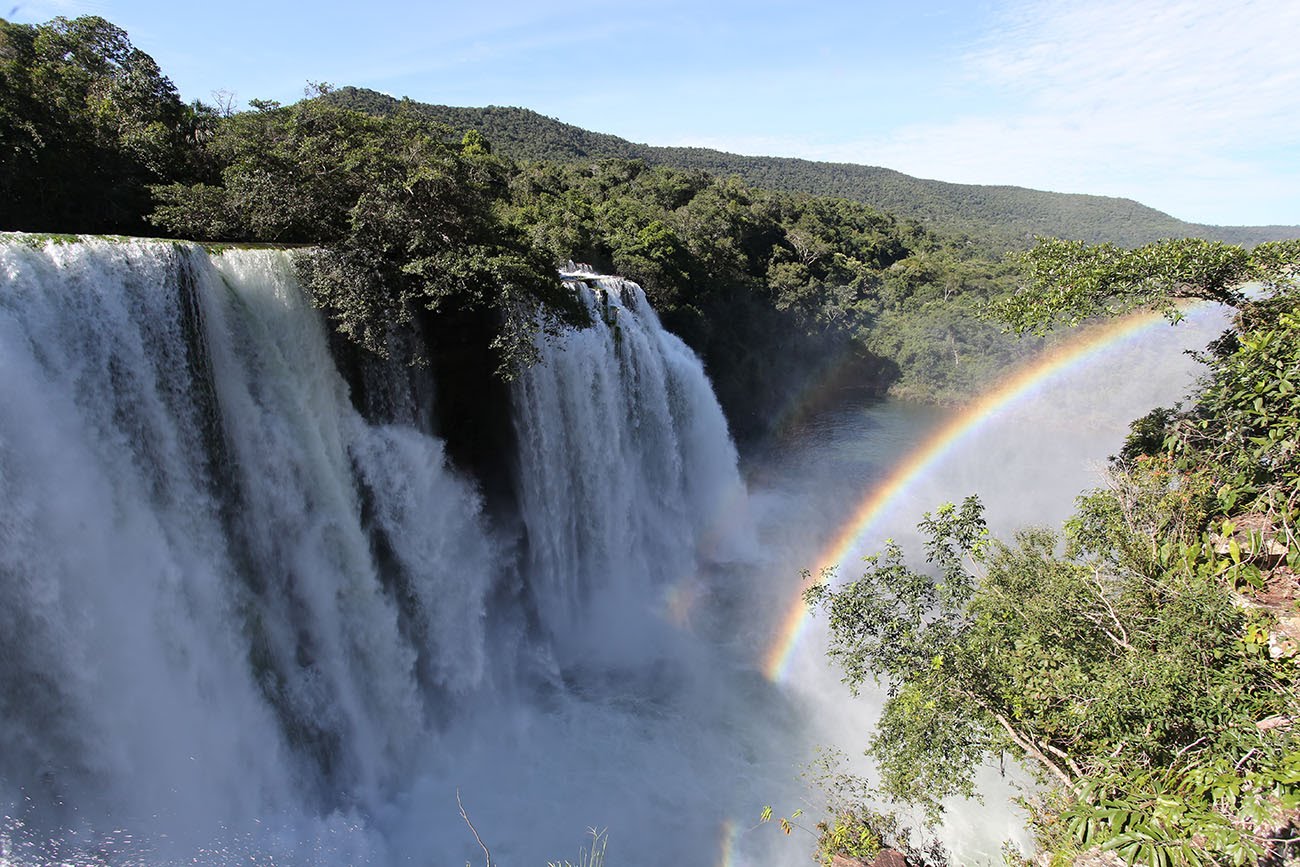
(1190, 106)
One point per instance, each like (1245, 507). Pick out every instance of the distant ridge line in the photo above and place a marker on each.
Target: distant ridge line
(1003, 214)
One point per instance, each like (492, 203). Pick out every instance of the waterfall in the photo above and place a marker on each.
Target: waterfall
(196, 628)
(238, 610)
(627, 476)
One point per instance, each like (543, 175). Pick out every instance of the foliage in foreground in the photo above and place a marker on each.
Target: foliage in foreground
(1123, 668)
(851, 829)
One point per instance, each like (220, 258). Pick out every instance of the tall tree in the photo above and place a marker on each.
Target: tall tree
(87, 122)
(401, 220)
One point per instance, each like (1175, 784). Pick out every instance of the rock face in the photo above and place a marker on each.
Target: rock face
(886, 858)
(889, 858)
(1259, 540)
(1260, 543)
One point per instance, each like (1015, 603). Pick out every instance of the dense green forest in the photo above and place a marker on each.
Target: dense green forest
(427, 241)
(413, 210)
(87, 122)
(991, 216)
(453, 230)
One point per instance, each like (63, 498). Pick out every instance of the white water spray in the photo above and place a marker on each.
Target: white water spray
(196, 638)
(627, 477)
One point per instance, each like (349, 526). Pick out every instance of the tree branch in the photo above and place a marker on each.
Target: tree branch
(1061, 754)
(1029, 747)
(473, 830)
(1122, 638)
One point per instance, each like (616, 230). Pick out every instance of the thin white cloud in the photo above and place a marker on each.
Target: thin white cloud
(1195, 64)
(1189, 106)
(1192, 107)
(458, 53)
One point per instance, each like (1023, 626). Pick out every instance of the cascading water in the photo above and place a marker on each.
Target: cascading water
(627, 476)
(233, 603)
(195, 633)
(243, 622)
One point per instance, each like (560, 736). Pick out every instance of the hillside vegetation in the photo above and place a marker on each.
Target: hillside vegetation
(1000, 215)
(1145, 666)
(437, 246)
(439, 240)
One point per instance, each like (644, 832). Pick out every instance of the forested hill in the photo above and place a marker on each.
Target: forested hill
(1002, 214)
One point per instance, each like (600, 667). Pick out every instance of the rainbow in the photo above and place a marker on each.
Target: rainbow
(1073, 352)
(730, 833)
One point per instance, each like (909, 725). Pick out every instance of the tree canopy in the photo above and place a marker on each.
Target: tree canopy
(87, 122)
(1066, 282)
(400, 219)
(994, 218)
(408, 219)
